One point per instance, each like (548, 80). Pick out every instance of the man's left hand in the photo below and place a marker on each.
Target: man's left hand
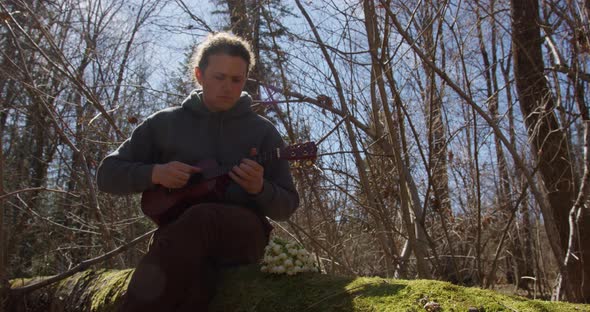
(249, 175)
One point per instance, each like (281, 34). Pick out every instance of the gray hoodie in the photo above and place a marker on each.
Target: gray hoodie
(191, 133)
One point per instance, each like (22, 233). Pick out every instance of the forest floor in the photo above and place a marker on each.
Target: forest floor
(317, 292)
(247, 289)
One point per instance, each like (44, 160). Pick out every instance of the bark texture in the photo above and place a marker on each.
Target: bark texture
(549, 144)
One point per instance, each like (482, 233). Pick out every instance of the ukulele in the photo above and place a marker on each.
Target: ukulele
(163, 205)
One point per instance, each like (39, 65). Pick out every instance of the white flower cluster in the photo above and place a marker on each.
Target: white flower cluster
(282, 257)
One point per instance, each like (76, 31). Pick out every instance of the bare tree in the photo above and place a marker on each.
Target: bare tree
(425, 167)
(549, 147)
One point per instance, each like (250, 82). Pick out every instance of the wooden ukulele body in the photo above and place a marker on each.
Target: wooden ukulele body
(164, 205)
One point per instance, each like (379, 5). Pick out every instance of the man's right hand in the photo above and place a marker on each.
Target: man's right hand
(173, 174)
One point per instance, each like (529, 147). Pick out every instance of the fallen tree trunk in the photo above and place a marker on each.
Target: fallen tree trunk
(247, 289)
(84, 291)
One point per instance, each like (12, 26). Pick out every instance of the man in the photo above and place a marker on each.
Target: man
(216, 122)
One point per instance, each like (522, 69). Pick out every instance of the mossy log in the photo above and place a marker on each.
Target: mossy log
(246, 289)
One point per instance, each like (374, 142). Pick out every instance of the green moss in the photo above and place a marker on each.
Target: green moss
(402, 295)
(76, 281)
(246, 289)
(108, 288)
(21, 282)
(84, 291)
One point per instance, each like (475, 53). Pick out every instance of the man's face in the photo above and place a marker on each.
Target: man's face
(223, 81)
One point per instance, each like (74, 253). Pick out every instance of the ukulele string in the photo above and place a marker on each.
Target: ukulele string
(259, 158)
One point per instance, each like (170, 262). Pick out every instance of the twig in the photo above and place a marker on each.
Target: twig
(80, 267)
(193, 16)
(492, 272)
(55, 120)
(540, 196)
(333, 129)
(32, 189)
(297, 227)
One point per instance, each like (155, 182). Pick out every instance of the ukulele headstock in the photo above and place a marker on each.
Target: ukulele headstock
(304, 154)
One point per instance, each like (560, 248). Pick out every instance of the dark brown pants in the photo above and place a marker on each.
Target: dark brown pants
(179, 271)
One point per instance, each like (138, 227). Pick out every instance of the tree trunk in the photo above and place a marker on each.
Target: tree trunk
(437, 141)
(247, 25)
(3, 276)
(548, 144)
(412, 213)
(247, 289)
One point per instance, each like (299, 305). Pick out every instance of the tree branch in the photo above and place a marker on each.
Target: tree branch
(80, 267)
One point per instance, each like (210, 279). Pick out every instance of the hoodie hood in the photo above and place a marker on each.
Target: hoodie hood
(194, 103)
